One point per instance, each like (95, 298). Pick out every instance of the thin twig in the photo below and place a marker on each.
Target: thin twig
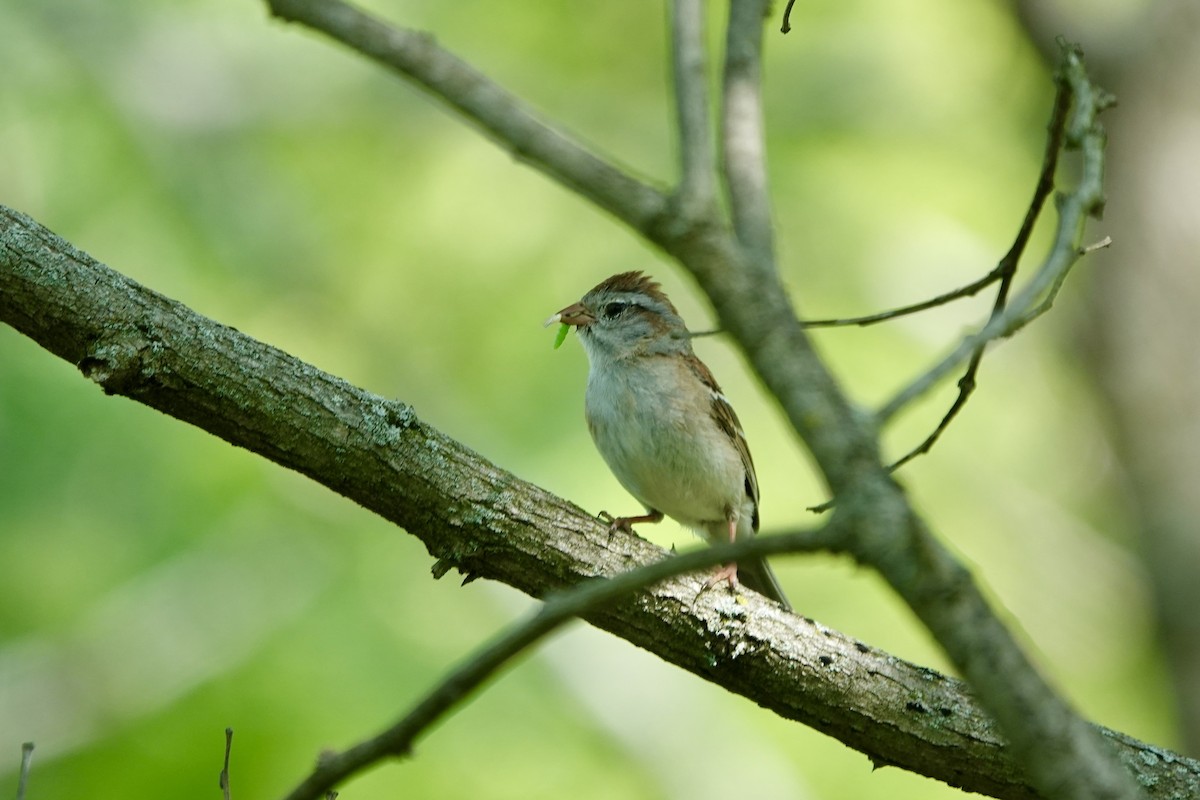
(223, 781)
(1094, 246)
(697, 151)
(786, 27)
(1006, 270)
(471, 673)
(26, 764)
(966, 385)
(1074, 208)
(970, 290)
(743, 142)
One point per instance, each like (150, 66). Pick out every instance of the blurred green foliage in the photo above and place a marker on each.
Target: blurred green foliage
(157, 585)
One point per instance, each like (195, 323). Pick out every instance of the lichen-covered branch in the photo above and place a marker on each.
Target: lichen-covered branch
(558, 610)
(486, 522)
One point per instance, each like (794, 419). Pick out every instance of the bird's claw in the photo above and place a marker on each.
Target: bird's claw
(615, 524)
(726, 574)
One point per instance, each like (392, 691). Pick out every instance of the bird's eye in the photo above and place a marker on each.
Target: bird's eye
(612, 310)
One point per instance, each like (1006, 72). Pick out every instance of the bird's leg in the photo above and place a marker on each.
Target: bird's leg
(728, 572)
(626, 523)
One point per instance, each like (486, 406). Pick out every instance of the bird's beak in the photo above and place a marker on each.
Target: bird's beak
(575, 315)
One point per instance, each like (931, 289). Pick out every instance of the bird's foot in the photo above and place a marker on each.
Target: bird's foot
(625, 524)
(726, 574)
(616, 523)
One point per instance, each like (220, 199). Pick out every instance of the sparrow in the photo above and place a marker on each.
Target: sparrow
(662, 424)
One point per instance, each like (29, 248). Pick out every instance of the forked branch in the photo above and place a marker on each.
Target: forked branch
(1084, 132)
(484, 521)
(739, 276)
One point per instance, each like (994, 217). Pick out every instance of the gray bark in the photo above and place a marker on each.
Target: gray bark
(487, 523)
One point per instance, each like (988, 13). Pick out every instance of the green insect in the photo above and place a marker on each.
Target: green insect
(562, 335)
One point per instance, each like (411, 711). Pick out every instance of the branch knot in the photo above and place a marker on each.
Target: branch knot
(118, 362)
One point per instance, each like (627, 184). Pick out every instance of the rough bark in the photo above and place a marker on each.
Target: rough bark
(488, 523)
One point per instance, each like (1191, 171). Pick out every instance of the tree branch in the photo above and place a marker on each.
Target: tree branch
(742, 137)
(1087, 199)
(697, 152)
(559, 609)
(1061, 753)
(970, 290)
(26, 765)
(487, 523)
(506, 119)
(752, 306)
(1006, 270)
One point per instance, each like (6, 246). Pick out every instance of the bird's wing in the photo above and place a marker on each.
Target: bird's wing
(727, 420)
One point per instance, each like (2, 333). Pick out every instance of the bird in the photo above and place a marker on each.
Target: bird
(662, 424)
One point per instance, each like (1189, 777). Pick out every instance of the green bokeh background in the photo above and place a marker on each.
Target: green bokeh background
(158, 585)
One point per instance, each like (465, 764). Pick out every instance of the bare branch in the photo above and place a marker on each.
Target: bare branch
(697, 151)
(558, 610)
(26, 765)
(478, 518)
(970, 290)
(1074, 208)
(753, 308)
(742, 137)
(511, 122)
(223, 778)
(1006, 270)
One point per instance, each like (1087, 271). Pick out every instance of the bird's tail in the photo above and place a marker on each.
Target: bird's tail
(756, 575)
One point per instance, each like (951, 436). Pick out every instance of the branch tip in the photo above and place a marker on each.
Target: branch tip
(786, 27)
(1093, 247)
(26, 765)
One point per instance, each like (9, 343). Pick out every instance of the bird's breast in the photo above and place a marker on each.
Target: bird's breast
(655, 432)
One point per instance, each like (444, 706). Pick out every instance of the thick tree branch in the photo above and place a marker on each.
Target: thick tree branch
(559, 609)
(487, 523)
